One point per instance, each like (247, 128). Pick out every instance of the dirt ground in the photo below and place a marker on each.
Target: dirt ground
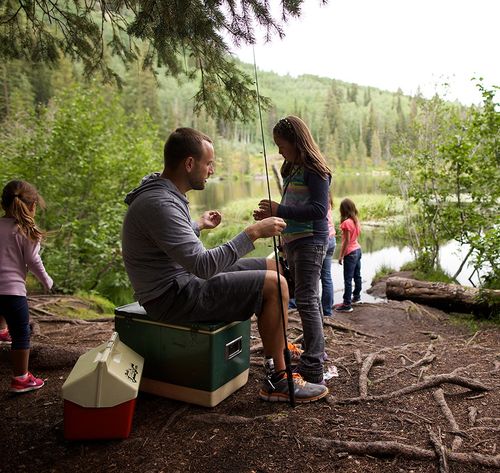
(406, 374)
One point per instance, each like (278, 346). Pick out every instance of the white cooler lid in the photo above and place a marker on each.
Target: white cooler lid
(105, 376)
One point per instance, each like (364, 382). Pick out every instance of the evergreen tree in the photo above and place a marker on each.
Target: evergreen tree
(184, 37)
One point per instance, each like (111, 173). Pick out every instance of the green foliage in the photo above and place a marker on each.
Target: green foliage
(186, 38)
(83, 153)
(447, 168)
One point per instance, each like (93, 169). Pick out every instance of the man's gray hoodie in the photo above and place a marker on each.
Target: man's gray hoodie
(161, 245)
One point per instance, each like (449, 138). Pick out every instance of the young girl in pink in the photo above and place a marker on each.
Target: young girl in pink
(350, 255)
(19, 252)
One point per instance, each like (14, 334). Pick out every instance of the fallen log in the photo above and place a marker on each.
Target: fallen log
(451, 297)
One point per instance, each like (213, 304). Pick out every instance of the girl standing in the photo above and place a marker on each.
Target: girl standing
(19, 253)
(304, 207)
(350, 255)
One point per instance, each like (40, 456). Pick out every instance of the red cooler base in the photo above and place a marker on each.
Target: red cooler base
(89, 423)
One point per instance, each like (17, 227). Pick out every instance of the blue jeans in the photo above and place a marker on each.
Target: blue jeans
(326, 279)
(352, 270)
(305, 261)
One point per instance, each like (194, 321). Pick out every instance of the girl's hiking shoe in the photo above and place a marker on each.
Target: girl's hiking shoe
(343, 308)
(356, 300)
(29, 383)
(5, 337)
(275, 389)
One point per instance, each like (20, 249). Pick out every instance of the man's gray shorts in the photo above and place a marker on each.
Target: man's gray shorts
(235, 294)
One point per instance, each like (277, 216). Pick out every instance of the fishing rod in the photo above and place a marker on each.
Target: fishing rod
(286, 351)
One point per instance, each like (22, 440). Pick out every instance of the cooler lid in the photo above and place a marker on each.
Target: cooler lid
(105, 376)
(137, 311)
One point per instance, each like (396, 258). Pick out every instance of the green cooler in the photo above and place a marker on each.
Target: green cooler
(200, 363)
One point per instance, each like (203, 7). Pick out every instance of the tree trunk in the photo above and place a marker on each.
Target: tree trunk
(451, 297)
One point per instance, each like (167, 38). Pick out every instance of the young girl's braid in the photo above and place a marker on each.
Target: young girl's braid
(17, 198)
(284, 128)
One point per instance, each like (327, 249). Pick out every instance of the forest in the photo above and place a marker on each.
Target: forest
(85, 142)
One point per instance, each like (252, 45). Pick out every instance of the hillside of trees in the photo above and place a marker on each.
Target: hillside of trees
(355, 126)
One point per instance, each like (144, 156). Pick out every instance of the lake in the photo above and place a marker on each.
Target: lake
(378, 248)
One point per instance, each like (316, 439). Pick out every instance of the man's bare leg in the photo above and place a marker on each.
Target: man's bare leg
(269, 321)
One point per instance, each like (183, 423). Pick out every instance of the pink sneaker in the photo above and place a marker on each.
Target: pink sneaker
(5, 337)
(30, 383)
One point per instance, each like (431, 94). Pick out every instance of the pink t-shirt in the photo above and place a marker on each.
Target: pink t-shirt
(354, 230)
(18, 254)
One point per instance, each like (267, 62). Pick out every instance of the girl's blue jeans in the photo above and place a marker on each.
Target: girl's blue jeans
(352, 270)
(305, 261)
(326, 279)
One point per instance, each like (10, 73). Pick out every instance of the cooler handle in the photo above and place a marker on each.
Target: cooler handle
(234, 348)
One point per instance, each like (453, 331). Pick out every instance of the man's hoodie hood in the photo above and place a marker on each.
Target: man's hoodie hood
(154, 181)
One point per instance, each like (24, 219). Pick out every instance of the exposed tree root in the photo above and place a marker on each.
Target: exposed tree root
(346, 328)
(472, 415)
(370, 360)
(439, 397)
(173, 417)
(382, 449)
(429, 382)
(230, 419)
(424, 361)
(439, 449)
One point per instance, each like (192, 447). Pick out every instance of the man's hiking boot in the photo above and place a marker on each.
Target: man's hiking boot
(275, 389)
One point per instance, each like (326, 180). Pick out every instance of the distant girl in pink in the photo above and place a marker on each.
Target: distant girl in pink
(350, 255)
(19, 252)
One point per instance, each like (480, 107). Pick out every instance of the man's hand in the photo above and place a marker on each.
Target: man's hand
(267, 208)
(210, 219)
(267, 227)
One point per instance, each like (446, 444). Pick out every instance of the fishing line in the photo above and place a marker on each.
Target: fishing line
(286, 351)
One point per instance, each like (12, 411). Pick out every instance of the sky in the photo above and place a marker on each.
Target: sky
(390, 44)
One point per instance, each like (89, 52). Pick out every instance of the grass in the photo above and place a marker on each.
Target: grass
(383, 271)
(433, 275)
(375, 206)
(236, 216)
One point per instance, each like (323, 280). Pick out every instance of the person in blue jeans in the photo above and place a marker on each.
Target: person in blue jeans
(304, 207)
(350, 255)
(326, 269)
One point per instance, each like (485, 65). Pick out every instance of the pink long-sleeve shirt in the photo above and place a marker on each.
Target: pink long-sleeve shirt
(18, 254)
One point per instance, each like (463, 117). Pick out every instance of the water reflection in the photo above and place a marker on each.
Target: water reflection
(379, 249)
(218, 193)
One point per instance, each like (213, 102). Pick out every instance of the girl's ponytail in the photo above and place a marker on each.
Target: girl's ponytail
(18, 199)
